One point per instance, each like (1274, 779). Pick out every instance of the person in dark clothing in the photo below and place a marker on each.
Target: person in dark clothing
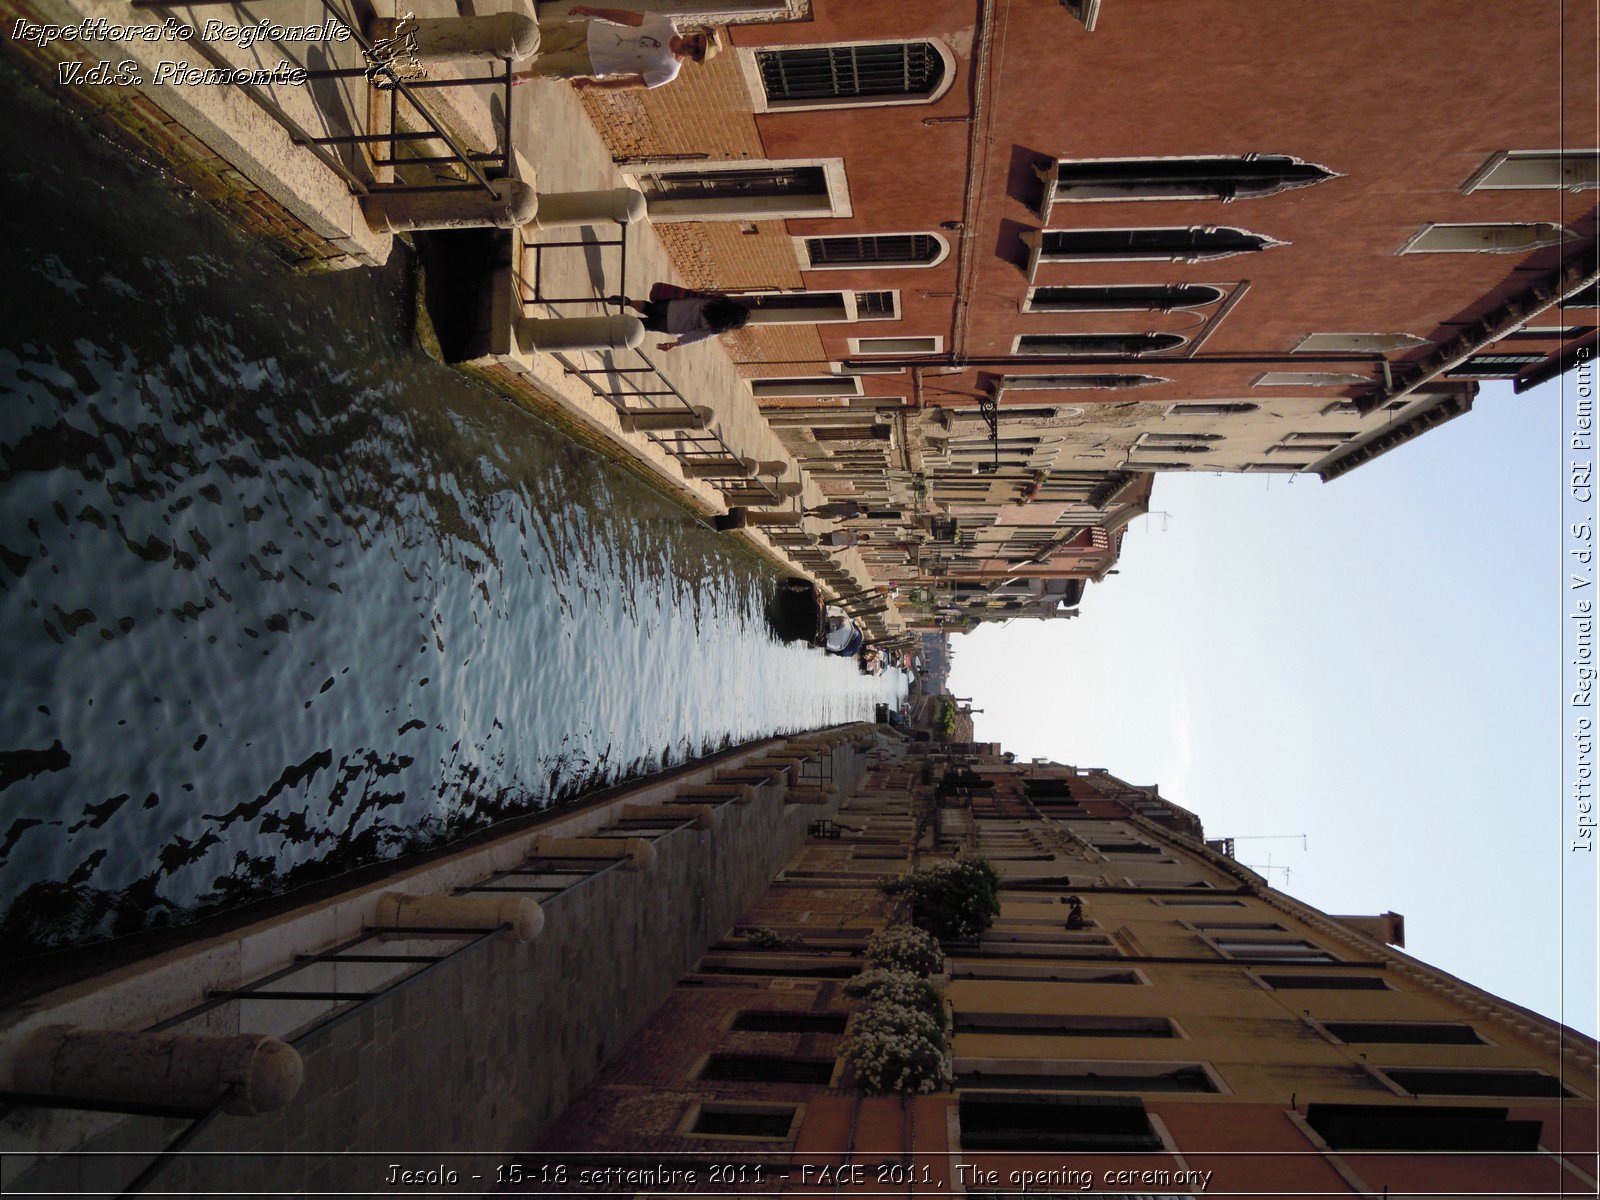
(690, 316)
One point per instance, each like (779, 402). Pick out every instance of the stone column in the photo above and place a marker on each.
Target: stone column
(541, 335)
(458, 39)
(508, 204)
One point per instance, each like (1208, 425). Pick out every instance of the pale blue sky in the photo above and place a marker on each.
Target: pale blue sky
(1373, 662)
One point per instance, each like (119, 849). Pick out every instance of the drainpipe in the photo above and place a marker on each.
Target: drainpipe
(977, 141)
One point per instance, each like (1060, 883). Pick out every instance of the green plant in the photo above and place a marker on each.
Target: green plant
(762, 938)
(905, 948)
(956, 898)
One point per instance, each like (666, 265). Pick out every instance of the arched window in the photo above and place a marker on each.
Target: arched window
(1209, 178)
(1131, 344)
(1052, 383)
(1123, 298)
(849, 74)
(1229, 409)
(874, 250)
(1194, 243)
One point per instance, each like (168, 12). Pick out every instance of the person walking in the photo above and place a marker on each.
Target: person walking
(837, 510)
(616, 49)
(691, 316)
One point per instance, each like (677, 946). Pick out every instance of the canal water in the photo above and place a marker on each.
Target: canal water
(281, 596)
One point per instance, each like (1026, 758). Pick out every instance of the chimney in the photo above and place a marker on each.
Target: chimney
(1390, 927)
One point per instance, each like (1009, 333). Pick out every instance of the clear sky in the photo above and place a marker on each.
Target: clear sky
(1374, 663)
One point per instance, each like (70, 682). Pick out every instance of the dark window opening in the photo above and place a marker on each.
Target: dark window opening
(735, 1122)
(1064, 1026)
(1123, 298)
(1405, 1033)
(1493, 366)
(1330, 983)
(775, 1021)
(884, 249)
(1109, 1125)
(1213, 410)
(1430, 1081)
(1178, 245)
(1419, 1127)
(1184, 178)
(725, 185)
(1182, 1079)
(844, 72)
(1131, 344)
(766, 1068)
(874, 304)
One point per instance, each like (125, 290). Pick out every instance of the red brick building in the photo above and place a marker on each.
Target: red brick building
(1025, 248)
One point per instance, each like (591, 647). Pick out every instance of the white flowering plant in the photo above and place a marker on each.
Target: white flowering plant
(899, 988)
(894, 1048)
(905, 948)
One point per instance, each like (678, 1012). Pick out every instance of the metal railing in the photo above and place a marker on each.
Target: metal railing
(627, 378)
(379, 68)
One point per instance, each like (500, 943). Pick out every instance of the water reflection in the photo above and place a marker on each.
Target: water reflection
(279, 593)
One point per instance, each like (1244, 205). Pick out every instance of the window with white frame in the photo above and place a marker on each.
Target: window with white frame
(1027, 1074)
(1236, 945)
(1230, 408)
(872, 250)
(1514, 170)
(1195, 243)
(1357, 343)
(1122, 345)
(1507, 238)
(1307, 379)
(933, 344)
(1156, 297)
(847, 74)
(1180, 178)
(819, 308)
(743, 190)
(1493, 366)
(774, 387)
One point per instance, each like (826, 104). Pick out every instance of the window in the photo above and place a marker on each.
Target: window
(1225, 926)
(1307, 379)
(772, 387)
(1120, 344)
(1108, 1124)
(1002, 1074)
(768, 1121)
(778, 1021)
(1050, 383)
(1192, 244)
(1230, 409)
(1357, 343)
(1286, 949)
(847, 75)
(1493, 366)
(877, 306)
(1419, 1127)
(1405, 1033)
(1199, 902)
(1203, 178)
(806, 966)
(766, 1068)
(815, 308)
(873, 250)
(897, 345)
(1122, 298)
(1486, 239)
(1574, 170)
(1431, 1081)
(1347, 408)
(743, 190)
(1328, 983)
(1086, 12)
(1044, 971)
(1052, 1025)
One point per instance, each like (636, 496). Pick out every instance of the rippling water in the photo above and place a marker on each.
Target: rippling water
(280, 595)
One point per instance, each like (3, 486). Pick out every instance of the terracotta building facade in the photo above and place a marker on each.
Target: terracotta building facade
(1003, 255)
(1143, 1015)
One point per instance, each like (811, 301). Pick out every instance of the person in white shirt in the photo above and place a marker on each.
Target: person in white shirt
(690, 316)
(618, 49)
